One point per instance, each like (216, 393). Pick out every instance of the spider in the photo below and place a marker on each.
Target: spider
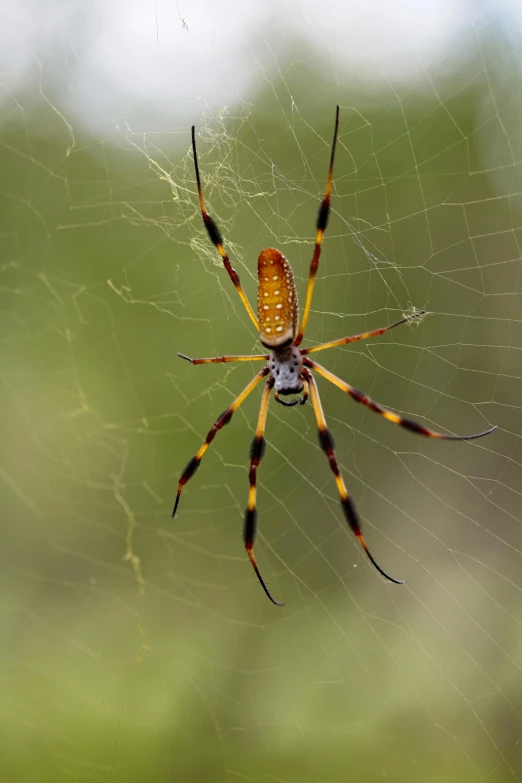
(288, 370)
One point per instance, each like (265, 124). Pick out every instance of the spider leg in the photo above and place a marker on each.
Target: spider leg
(219, 359)
(408, 424)
(364, 336)
(327, 445)
(322, 222)
(257, 451)
(217, 240)
(225, 417)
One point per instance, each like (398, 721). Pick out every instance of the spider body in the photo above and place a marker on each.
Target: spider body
(278, 311)
(288, 368)
(276, 300)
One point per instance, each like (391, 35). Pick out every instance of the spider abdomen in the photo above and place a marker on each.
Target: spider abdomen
(276, 299)
(286, 367)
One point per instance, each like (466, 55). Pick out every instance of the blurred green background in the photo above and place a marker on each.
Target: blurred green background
(136, 647)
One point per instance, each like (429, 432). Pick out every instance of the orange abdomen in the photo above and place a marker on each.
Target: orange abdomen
(276, 299)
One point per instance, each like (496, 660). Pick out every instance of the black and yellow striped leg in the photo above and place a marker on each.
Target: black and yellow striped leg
(257, 451)
(221, 359)
(322, 222)
(217, 240)
(408, 424)
(364, 336)
(327, 445)
(225, 417)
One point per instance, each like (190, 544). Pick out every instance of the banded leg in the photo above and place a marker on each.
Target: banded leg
(257, 451)
(225, 417)
(220, 359)
(364, 336)
(217, 240)
(327, 445)
(408, 424)
(322, 222)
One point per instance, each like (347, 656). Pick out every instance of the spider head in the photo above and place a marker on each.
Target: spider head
(276, 299)
(286, 367)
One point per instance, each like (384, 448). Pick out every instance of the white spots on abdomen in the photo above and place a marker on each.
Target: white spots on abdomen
(277, 299)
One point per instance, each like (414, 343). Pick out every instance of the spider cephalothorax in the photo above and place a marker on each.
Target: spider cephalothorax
(286, 367)
(289, 369)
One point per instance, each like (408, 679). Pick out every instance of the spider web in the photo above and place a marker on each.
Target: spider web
(139, 647)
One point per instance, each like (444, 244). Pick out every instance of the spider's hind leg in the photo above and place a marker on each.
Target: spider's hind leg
(217, 240)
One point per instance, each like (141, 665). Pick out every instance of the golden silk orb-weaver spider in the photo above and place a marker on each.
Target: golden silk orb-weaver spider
(289, 369)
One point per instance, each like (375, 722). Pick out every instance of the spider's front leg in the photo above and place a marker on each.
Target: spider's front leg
(327, 445)
(257, 451)
(225, 417)
(408, 424)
